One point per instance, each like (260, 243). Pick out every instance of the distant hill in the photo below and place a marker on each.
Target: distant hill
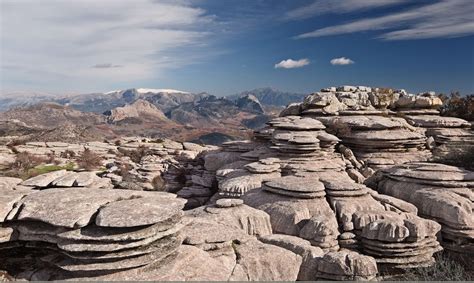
(271, 97)
(136, 112)
(163, 99)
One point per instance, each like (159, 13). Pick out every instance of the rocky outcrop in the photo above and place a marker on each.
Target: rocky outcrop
(250, 102)
(140, 109)
(383, 127)
(316, 198)
(440, 192)
(86, 232)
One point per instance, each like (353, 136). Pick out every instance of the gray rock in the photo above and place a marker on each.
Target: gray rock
(44, 180)
(139, 211)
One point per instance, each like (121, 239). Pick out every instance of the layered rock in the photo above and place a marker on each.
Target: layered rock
(440, 192)
(317, 200)
(89, 232)
(372, 123)
(450, 135)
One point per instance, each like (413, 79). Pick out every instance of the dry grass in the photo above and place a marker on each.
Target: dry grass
(137, 154)
(445, 269)
(68, 154)
(460, 157)
(158, 183)
(89, 160)
(28, 165)
(25, 161)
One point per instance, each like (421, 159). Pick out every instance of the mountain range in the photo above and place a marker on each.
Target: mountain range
(147, 112)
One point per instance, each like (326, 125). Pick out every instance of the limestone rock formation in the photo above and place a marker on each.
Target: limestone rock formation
(88, 232)
(440, 192)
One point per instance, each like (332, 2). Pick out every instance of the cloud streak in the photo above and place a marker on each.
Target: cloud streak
(58, 44)
(106, 66)
(292, 64)
(445, 19)
(320, 7)
(341, 61)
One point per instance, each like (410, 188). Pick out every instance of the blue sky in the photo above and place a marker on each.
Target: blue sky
(224, 47)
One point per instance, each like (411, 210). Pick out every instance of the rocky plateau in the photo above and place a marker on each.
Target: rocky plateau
(348, 184)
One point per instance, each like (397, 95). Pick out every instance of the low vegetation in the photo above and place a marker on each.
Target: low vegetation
(460, 157)
(25, 161)
(137, 154)
(27, 165)
(457, 105)
(158, 183)
(445, 269)
(89, 160)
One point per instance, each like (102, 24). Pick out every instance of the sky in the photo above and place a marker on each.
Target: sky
(226, 46)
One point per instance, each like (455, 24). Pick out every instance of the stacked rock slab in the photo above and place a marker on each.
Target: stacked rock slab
(361, 121)
(450, 134)
(220, 245)
(440, 192)
(67, 179)
(298, 136)
(294, 199)
(86, 232)
(346, 266)
(316, 199)
(371, 122)
(239, 169)
(398, 243)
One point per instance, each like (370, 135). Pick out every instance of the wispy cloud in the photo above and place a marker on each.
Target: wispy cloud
(319, 7)
(342, 61)
(291, 64)
(106, 66)
(445, 19)
(61, 44)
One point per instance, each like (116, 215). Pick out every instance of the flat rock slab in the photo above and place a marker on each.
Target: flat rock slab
(156, 246)
(44, 180)
(296, 123)
(257, 167)
(96, 233)
(371, 122)
(199, 232)
(302, 195)
(66, 180)
(8, 199)
(74, 208)
(296, 184)
(97, 246)
(433, 121)
(295, 244)
(119, 263)
(347, 263)
(225, 202)
(139, 212)
(434, 172)
(8, 183)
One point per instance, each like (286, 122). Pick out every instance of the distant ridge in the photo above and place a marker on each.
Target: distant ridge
(271, 97)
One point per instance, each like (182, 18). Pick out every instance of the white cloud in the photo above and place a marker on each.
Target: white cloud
(291, 64)
(448, 18)
(342, 61)
(89, 43)
(319, 7)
